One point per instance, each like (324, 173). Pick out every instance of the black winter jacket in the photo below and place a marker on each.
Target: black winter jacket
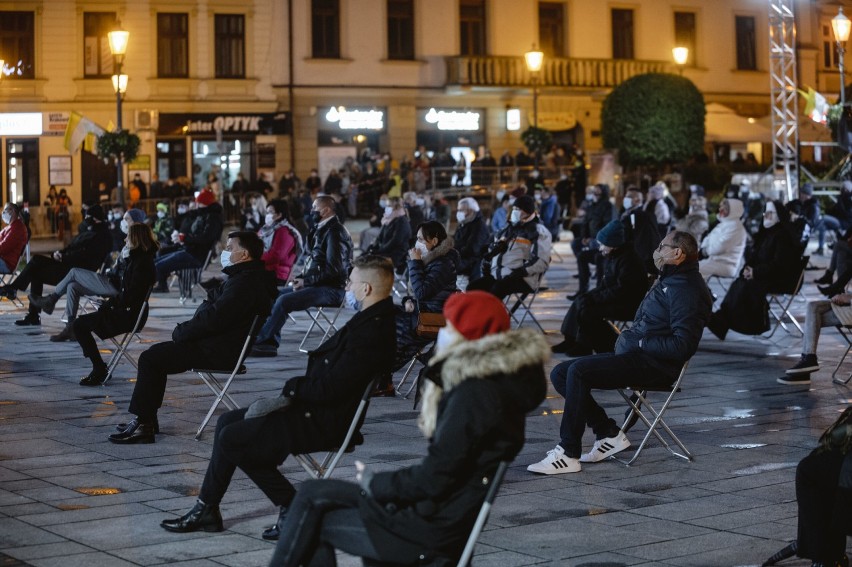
(393, 241)
(330, 256)
(338, 373)
(471, 241)
(640, 230)
(221, 323)
(774, 258)
(133, 278)
(671, 319)
(624, 282)
(89, 249)
(433, 279)
(205, 230)
(489, 386)
(597, 216)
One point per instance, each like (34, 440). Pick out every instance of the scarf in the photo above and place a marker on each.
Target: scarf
(395, 214)
(267, 234)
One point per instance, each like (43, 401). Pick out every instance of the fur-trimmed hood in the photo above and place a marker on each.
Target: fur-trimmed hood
(501, 356)
(441, 249)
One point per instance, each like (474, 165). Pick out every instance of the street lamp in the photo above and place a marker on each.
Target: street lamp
(841, 25)
(534, 59)
(118, 47)
(681, 55)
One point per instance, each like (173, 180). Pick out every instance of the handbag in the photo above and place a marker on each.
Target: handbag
(428, 324)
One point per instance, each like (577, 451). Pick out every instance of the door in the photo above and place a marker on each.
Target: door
(95, 171)
(22, 179)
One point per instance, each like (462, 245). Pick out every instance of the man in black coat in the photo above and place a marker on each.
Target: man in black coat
(323, 280)
(599, 213)
(586, 327)
(471, 238)
(213, 338)
(88, 250)
(313, 412)
(640, 228)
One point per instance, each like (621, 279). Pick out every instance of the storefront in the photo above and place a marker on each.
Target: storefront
(459, 131)
(20, 134)
(344, 132)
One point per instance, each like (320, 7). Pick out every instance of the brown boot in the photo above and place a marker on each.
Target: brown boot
(66, 334)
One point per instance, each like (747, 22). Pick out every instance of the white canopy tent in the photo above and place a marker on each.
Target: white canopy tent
(722, 124)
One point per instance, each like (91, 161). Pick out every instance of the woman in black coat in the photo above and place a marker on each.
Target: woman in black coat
(117, 315)
(393, 239)
(770, 267)
(482, 382)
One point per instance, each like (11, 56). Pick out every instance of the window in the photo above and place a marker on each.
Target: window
(472, 24)
(230, 46)
(400, 29)
(172, 45)
(17, 45)
(746, 43)
(551, 29)
(684, 23)
(97, 58)
(622, 34)
(325, 29)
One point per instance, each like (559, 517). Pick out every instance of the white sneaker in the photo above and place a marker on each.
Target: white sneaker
(606, 447)
(555, 463)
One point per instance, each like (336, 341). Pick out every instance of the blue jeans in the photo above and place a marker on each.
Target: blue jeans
(827, 222)
(575, 379)
(172, 262)
(290, 300)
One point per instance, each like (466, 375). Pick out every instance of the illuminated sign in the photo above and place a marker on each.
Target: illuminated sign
(356, 119)
(452, 120)
(21, 124)
(513, 119)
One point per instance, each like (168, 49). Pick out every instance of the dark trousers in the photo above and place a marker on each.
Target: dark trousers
(257, 446)
(41, 270)
(169, 263)
(575, 380)
(502, 287)
(821, 535)
(155, 364)
(84, 328)
(586, 324)
(324, 517)
(586, 256)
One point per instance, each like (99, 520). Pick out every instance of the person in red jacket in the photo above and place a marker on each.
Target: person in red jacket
(13, 238)
(282, 243)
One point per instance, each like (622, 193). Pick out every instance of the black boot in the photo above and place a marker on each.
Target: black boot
(136, 432)
(829, 290)
(96, 377)
(826, 278)
(201, 517)
(45, 303)
(66, 334)
(31, 320)
(272, 532)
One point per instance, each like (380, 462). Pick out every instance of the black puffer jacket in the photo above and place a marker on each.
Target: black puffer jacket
(489, 387)
(221, 323)
(598, 215)
(89, 249)
(433, 279)
(204, 231)
(774, 258)
(393, 241)
(471, 240)
(671, 319)
(330, 259)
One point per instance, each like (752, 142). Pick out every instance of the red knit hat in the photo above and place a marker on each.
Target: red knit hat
(475, 314)
(205, 197)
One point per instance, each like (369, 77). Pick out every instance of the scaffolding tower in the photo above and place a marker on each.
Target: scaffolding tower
(782, 77)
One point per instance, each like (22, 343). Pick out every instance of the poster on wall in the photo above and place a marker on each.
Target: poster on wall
(333, 157)
(59, 170)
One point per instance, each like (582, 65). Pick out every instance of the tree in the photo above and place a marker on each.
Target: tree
(654, 119)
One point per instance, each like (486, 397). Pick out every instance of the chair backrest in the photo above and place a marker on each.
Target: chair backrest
(795, 279)
(490, 496)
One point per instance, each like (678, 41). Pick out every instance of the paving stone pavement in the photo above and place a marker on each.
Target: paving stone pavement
(68, 497)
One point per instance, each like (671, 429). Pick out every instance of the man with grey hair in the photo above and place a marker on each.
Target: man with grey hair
(471, 238)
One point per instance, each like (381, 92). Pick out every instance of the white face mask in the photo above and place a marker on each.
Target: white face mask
(446, 338)
(769, 223)
(461, 217)
(590, 197)
(181, 210)
(419, 202)
(538, 197)
(161, 215)
(110, 217)
(388, 210)
(225, 259)
(627, 203)
(516, 216)
(270, 219)
(422, 247)
(7, 218)
(383, 203)
(500, 195)
(125, 227)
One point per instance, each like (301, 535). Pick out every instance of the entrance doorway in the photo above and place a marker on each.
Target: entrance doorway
(22, 174)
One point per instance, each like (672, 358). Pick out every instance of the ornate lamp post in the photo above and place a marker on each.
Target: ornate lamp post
(680, 55)
(118, 47)
(841, 26)
(535, 59)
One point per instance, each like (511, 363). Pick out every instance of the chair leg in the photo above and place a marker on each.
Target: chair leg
(639, 399)
(834, 377)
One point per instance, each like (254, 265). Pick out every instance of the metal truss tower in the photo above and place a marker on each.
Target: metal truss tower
(782, 76)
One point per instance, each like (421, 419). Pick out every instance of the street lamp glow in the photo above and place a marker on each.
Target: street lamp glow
(2, 63)
(118, 40)
(534, 59)
(680, 54)
(841, 25)
(119, 83)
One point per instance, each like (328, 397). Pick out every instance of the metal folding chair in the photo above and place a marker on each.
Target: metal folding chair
(122, 344)
(523, 302)
(418, 357)
(777, 300)
(188, 278)
(637, 398)
(6, 279)
(484, 511)
(323, 469)
(219, 389)
(845, 332)
(321, 321)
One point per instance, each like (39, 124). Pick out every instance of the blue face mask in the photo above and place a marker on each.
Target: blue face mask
(351, 301)
(225, 259)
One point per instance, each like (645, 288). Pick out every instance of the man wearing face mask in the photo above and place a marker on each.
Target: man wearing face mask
(163, 225)
(471, 238)
(665, 334)
(88, 250)
(323, 280)
(519, 255)
(213, 337)
(313, 411)
(80, 282)
(640, 228)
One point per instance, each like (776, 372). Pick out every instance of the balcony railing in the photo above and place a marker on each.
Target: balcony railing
(577, 73)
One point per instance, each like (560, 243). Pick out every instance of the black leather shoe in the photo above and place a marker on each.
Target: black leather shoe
(95, 378)
(134, 433)
(272, 532)
(829, 290)
(561, 348)
(574, 296)
(29, 321)
(46, 303)
(8, 292)
(201, 517)
(826, 278)
(121, 427)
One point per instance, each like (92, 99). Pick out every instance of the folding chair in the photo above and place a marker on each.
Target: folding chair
(418, 357)
(777, 298)
(6, 279)
(121, 345)
(219, 389)
(638, 397)
(320, 320)
(323, 469)
(490, 496)
(524, 302)
(188, 278)
(845, 332)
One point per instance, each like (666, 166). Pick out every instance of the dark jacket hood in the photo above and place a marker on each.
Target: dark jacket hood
(268, 277)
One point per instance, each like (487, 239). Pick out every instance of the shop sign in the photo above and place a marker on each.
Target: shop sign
(356, 119)
(278, 123)
(513, 119)
(20, 124)
(55, 123)
(554, 121)
(453, 120)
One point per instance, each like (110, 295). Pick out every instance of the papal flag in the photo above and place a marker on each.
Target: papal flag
(816, 105)
(78, 129)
